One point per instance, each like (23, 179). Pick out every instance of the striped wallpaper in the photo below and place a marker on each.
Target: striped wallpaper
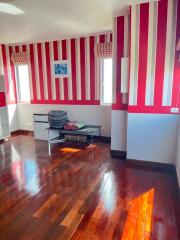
(121, 49)
(9, 75)
(82, 88)
(154, 68)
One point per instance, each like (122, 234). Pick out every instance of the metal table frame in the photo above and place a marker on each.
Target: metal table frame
(89, 130)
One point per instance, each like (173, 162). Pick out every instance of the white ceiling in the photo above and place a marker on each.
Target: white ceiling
(57, 19)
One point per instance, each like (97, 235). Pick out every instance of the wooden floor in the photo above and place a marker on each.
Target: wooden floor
(81, 194)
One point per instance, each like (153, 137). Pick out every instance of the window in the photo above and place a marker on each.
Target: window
(23, 89)
(106, 81)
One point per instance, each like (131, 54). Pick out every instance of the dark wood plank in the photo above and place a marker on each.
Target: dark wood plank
(81, 194)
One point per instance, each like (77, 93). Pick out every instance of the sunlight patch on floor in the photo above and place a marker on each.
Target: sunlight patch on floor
(70, 150)
(139, 219)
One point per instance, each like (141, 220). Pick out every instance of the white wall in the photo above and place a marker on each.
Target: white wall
(178, 153)
(98, 115)
(152, 137)
(13, 117)
(119, 130)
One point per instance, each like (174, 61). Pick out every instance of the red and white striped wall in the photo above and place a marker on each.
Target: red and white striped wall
(121, 43)
(81, 88)
(154, 68)
(9, 74)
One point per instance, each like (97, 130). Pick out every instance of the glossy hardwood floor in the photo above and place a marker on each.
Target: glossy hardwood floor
(81, 194)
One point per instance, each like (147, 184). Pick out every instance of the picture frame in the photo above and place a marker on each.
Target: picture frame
(61, 68)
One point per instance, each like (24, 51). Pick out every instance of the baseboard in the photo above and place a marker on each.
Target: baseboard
(22, 132)
(152, 166)
(118, 154)
(105, 139)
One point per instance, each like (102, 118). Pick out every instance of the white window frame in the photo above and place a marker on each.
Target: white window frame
(101, 67)
(18, 91)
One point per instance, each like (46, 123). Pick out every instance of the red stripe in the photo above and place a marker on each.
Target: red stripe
(64, 57)
(176, 80)
(14, 94)
(2, 99)
(160, 54)
(143, 49)
(92, 69)
(102, 38)
(73, 66)
(16, 48)
(24, 48)
(33, 73)
(82, 62)
(41, 80)
(48, 68)
(5, 71)
(55, 48)
(120, 53)
(111, 37)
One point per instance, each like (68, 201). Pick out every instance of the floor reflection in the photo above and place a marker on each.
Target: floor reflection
(31, 175)
(26, 176)
(15, 156)
(139, 219)
(18, 174)
(25, 173)
(108, 192)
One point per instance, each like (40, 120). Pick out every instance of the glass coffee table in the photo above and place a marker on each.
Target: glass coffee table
(88, 130)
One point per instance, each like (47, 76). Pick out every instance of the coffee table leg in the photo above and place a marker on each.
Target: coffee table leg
(92, 140)
(49, 148)
(92, 146)
(49, 145)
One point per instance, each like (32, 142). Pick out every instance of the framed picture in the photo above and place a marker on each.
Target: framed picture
(61, 68)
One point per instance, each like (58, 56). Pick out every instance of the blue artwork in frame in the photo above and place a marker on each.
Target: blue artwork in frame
(61, 68)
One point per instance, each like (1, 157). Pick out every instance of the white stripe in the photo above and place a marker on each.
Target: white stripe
(170, 51)
(78, 69)
(30, 74)
(97, 73)
(37, 71)
(20, 48)
(129, 35)
(151, 55)
(87, 67)
(44, 72)
(13, 49)
(114, 59)
(126, 19)
(68, 49)
(124, 98)
(97, 39)
(134, 55)
(53, 85)
(108, 37)
(61, 79)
